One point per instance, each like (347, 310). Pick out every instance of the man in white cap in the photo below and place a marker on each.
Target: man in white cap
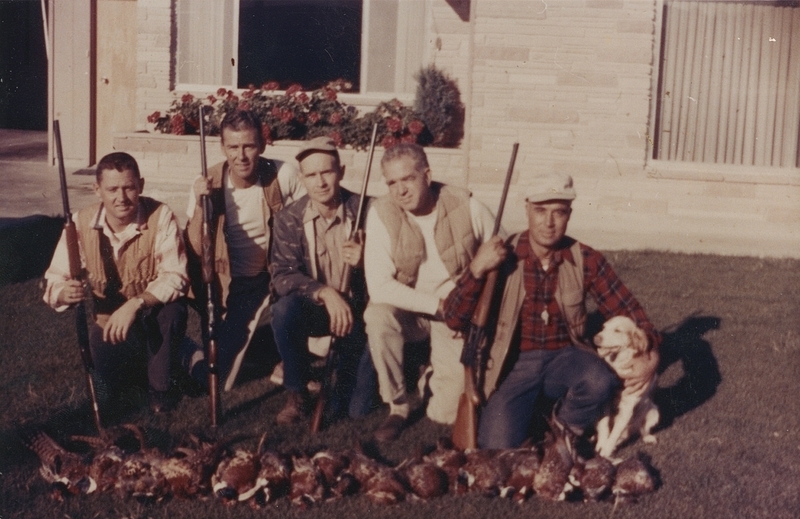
(538, 342)
(311, 249)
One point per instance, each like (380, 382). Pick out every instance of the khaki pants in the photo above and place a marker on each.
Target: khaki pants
(388, 329)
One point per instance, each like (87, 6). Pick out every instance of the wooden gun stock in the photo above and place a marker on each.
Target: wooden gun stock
(83, 312)
(344, 288)
(208, 283)
(465, 428)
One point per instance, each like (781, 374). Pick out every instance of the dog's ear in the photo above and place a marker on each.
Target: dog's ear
(639, 340)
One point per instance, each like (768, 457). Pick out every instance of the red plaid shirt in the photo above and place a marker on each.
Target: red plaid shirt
(599, 280)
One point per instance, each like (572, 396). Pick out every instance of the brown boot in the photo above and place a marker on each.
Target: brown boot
(295, 409)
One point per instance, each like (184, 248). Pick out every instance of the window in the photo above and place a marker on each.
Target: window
(375, 44)
(729, 83)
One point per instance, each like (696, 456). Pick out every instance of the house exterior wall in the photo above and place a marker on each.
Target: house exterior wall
(572, 82)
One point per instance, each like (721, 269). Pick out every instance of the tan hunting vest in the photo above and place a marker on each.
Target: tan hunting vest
(272, 203)
(136, 264)
(453, 234)
(569, 295)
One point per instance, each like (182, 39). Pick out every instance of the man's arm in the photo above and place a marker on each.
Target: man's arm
(380, 272)
(612, 296)
(289, 182)
(194, 213)
(287, 266)
(57, 277)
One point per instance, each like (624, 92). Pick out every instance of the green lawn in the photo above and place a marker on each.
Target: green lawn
(729, 443)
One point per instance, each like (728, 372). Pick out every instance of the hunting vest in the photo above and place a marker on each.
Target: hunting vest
(115, 280)
(569, 295)
(453, 234)
(272, 203)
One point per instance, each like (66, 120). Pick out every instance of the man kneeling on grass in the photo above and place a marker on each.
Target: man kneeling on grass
(135, 263)
(311, 250)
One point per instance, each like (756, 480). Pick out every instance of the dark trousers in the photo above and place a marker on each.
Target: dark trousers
(156, 332)
(294, 319)
(245, 297)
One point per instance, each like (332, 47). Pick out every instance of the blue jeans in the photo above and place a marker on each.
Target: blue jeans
(583, 380)
(294, 319)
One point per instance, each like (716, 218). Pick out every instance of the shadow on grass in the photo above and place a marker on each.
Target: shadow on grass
(26, 246)
(701, 375)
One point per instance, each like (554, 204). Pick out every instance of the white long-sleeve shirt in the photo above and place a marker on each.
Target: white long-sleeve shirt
(171, 281)
(433, 279)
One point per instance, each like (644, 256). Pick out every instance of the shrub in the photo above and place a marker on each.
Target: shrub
(439, 105)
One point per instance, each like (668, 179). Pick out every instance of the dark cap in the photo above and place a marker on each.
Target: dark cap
(323, 144)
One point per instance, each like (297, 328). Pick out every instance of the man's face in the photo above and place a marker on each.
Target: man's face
(241, 149)
(410, 188)
(320, 175)
(547, 222)
(119, 192)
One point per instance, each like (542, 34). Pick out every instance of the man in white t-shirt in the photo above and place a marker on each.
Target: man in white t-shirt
(246, 191)
(420, 238)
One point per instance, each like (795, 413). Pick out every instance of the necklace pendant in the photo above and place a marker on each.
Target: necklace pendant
(545, 317)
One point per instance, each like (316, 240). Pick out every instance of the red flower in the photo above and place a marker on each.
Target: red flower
(187, 98)
(266, 133)
(286, 116)
(313, 117)
(408, 138)
(415, 127)
(335, 118)
(337, 137)
(244, 105)
(303, 97)
(293, 89)
(393, 124)
(276, 111)
(388, 142)
(211, 99)
(247, 94)
(330, 94)
(231, 95)
(221, 92)
(177, 124)
(154, 117)
(301, 119)
(270, 85)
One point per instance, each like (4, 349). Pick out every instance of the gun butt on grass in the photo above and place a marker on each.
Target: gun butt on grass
(330, 360)
(465, 428)
(84, 312)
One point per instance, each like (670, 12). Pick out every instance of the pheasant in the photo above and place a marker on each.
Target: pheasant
(335, 471)
(523, 464)
(235, 477)
(484, 472)
(550, 480)
(273, 480)
(139, 476)
(385, 487)
(634, 478)
(67, 472)
(307, 482)
(594, 478)
(424, 478)
(447, 458)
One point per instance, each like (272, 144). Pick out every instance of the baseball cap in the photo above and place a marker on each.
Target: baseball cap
(322, 143)
(550, 186)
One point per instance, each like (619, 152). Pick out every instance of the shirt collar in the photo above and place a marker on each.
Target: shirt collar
(311, 212)
(563, 250)
(140, 222)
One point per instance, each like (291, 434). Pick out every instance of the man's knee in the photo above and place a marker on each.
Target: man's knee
(286, 309)
(598, 382)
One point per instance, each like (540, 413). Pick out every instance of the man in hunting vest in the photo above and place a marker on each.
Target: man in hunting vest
(538, 344)
(246, 191)
(135, 263)
(420, 238)
(312, 247)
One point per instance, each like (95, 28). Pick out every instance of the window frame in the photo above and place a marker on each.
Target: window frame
(698, 170)
(363, 98)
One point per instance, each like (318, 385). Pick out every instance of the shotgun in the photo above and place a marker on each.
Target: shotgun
(465, 428)
(208, 281)
(84, 312)
(344, 288)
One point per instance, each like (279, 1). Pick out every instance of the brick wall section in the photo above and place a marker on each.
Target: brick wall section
(571, 82)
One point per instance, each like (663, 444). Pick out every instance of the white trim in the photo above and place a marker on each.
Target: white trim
(707, 172)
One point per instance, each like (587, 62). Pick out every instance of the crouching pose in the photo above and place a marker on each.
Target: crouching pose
(420, 238)
(310, 252)
(135, 261)
(538, 343)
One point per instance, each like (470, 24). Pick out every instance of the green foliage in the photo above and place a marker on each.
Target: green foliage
(438, 103)
(296, 114)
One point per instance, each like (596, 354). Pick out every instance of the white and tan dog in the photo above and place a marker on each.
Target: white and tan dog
(626, 349)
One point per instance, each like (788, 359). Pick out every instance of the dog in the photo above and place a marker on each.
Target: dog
(624, 346)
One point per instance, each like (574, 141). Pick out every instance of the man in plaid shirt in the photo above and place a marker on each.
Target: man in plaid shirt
(546, 276)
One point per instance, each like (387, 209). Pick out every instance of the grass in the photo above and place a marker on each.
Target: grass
(729, 443)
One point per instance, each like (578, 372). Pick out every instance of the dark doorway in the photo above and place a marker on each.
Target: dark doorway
(23, 66)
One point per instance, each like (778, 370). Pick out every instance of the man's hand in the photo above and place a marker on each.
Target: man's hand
(489, 256)
(72, 293)
(119, 324)
(339, 312)
(353, 250)
(202, 186)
